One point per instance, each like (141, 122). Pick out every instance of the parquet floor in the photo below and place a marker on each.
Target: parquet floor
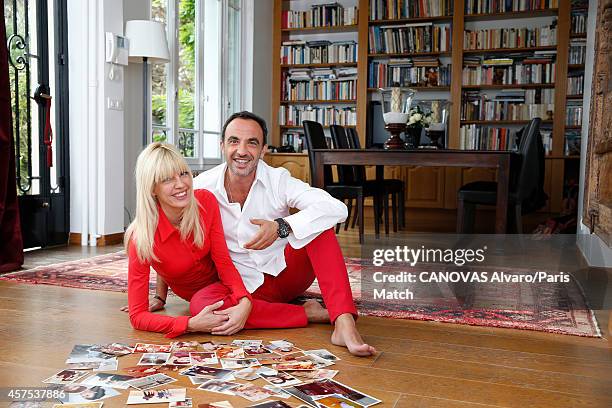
(420, 364)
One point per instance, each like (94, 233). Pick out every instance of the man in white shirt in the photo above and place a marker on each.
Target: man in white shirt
(279, 254)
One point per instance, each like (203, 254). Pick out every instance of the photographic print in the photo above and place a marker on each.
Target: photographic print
(65, 377)
(179, 358)
(271, 404)
(152, 348)
(141, 371)
(295, 365)
(188, 403)
(252, 392)
(185, 346)
(329, 387)
(320, 374)
(237, 363)
(84, 365)
(337, 401)
(226, 351)
(152, 381)
(116, 349)
(247, 343)
(83, 394)
(154, 358)
(218, 386)
(156, 396)
(282, 347)
(108, 365)
(280, 379)
(203, 358)
(322, 353)
(278, 391)
(218, 404)
(108, 380)
(256, 350)
(248, 374)
(86, 353)
(209, 372)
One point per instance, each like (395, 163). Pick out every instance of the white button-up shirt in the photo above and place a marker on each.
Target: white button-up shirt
(273, 192)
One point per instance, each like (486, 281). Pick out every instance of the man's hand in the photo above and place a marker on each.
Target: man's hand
(237, 317)
(206, 320)
(154, 305)
(267, 234)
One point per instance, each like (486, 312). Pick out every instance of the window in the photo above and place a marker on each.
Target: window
(193, 94)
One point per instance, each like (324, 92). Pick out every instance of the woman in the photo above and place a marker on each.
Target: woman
(178, 232)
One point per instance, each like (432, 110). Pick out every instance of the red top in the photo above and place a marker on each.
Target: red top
(183, 266)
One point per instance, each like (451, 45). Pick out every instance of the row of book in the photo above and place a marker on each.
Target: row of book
(504, 6)
(319, 84)
(318, 52)
(475, 137)
(572, 142)
(325, 115)
(575, 84)
(396, 9)
(537, 69)
(579, 22)
(320, 15)
(573, 113)
(577, 52)
(409, 38)
(491, 38)
(295, 140)
(408, 72)
(508, 104)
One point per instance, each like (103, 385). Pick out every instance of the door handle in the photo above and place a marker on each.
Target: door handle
(44, 204)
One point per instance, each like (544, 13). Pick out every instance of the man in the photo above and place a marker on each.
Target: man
(277, 254)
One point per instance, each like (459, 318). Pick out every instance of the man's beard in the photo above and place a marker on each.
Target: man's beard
(250, 169)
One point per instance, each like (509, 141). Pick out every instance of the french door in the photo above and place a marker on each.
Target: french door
(37, 47)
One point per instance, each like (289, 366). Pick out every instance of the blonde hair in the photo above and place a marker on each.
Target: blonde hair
(155, 163)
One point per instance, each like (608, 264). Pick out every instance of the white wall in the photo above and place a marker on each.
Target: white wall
(132, 142)
(594, 249)
(96, 143)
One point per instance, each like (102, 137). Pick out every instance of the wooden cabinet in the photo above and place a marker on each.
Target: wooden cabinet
(296, 163)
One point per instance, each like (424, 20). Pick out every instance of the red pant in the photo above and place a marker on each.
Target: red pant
(321, 258)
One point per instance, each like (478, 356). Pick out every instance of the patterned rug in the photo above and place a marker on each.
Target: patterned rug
(553, 308)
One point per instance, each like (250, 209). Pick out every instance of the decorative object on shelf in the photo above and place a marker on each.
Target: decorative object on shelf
(396, 107)
(438, 121)
(417, 121)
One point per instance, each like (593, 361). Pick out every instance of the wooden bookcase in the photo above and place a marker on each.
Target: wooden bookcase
(437, 187)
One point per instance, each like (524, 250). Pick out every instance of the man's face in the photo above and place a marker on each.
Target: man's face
(243, 146)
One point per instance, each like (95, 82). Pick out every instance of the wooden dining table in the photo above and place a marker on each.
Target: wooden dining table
(500, 160)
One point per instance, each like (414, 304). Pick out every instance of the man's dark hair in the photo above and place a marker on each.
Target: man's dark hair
(246, 115)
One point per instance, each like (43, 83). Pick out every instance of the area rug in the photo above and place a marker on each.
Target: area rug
(549, 308)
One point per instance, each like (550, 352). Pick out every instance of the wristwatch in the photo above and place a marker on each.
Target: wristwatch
(283, 228)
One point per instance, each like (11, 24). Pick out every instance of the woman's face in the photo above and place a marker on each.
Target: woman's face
(174, 192)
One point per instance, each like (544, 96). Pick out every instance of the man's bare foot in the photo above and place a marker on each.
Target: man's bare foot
(345, 334)
(315, 312)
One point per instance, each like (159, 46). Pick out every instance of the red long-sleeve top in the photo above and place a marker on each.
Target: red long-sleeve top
(183, 266)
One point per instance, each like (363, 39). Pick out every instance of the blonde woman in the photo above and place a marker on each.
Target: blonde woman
(178, 232)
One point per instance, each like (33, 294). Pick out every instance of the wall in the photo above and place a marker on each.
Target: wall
(596, 252)
(132, 142)
(96, 152)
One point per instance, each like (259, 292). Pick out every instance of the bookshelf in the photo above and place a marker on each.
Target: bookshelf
(570, 32)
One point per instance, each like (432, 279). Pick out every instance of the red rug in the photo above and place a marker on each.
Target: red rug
(549, 308)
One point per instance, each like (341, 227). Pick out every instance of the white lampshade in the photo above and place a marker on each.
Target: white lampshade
(147, 39)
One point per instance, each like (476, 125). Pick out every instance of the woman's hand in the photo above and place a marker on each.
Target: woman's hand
(207, 319)
(237, 317)
(155, 304)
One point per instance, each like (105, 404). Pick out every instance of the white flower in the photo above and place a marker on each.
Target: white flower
(417, 117)
(411, 121)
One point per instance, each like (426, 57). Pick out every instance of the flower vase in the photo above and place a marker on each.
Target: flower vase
(413, 137)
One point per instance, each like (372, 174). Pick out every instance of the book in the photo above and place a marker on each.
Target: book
(505, 6)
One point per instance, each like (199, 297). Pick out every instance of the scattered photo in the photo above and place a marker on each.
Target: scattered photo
(280, 379)
(331, 387)
(198, 380)
(179, 358)
(271, 404)
(152, 381)
(310, 402)
(266, 370)
(188, 403)
(203, 358)
(209, 372)
(108, 365)
(322, 353)
(219, 386)
(226, 351)
(237, 363)
(208, 346)
(185, 346)
(108, 380)
(141, 371)
(86, 353)
(269, 360)
(256, 350)
(295, 365)
(278, 391)
(311, 375)
(156, 396)
(65, 377)
(247, 343)
(317, 361)
(154, 358)
(80, 405)
(282, 347)
(337, 401)
(218, 404)
(116, 349)
(83, 393)
(252, 392)
(85, 365)
(249, 374)
(152, 348)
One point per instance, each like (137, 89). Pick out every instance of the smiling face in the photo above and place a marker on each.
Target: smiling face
(243, 146)
(174, 193)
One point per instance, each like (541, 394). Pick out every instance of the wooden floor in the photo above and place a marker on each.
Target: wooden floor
(420, 364)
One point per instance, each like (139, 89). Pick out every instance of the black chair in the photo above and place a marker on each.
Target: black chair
(315, 139)
(395, 187)
(526, 187)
